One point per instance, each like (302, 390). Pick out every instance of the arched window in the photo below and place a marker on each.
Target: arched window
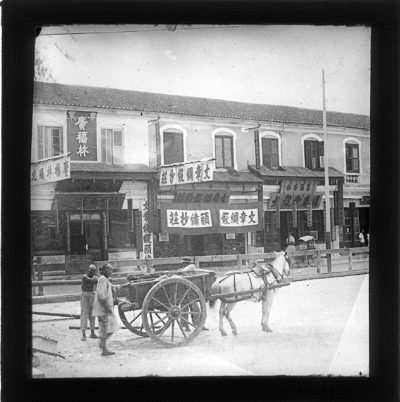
(172, 145)
(352, 155)
(313, 152)
(270, 149)
(224, 148)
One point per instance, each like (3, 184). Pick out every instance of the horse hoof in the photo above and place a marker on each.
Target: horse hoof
(234, 333)
(223, 333)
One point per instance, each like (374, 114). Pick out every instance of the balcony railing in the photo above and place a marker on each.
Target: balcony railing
(352, 178)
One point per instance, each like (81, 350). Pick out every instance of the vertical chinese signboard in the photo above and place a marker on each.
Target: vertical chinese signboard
(192, 172)
(82, 135)
(147, 236)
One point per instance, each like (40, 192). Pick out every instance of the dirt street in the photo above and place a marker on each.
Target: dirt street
(320, 327)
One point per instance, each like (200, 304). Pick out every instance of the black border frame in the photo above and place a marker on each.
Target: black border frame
(19, 21)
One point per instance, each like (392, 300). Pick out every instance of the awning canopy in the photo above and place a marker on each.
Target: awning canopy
(293, 172)
(88, 201)
(98, 170)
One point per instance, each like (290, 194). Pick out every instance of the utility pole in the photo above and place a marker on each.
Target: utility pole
(326, 169)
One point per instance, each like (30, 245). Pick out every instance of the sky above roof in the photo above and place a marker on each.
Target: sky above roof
(277, 65)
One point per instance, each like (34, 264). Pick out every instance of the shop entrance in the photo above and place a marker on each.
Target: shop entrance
(197, 245)
(86, 238)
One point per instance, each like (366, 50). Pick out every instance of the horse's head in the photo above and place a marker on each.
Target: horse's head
(281, 263)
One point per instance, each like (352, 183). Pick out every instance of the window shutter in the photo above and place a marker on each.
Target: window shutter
(103, 145)
(40, 142)
(320, 148)
(228, 151)
(218, 152)
(60, 130)
(307, 154)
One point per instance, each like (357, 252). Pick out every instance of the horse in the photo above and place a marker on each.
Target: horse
(262, 277)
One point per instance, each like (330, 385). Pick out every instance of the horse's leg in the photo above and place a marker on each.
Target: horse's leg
(267, 300)
(221, 318)
(228, 310)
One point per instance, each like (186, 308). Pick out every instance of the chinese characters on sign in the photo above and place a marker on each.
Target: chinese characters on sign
(147, 235)
(82, 141)
(189, 218)
(50, 170)
(192, 172)
(238, 217)
(286, 201)
(201, 197)
(295, 186)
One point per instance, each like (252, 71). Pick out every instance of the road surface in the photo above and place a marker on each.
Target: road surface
(320, 328)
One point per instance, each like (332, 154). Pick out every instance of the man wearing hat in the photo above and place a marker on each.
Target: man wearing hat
(87, 298)
(188, 266)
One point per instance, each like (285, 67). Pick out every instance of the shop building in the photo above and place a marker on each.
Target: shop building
(90, 178)
(162, 162)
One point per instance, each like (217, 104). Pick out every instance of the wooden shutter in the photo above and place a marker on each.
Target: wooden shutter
(219, 161)
(173, 147)
(307, 154)
(103, 145)
(228, 152)
(40, 142)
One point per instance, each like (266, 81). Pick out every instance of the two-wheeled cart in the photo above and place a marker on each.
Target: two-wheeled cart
(170, 307)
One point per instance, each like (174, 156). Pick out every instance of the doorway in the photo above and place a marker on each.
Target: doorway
(197, 244)
(87, 238)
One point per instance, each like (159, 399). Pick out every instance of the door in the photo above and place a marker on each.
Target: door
(197, 244)
(93, 237)
(78, 242)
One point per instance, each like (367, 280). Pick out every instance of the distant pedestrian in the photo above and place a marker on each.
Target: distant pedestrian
(88, 286)
(103, 307)
(361, 237)
(367, 240)
(290, 240)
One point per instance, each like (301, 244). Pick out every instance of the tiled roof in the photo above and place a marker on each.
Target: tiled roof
(96, 170)
(236, 177)
(293, 171)
(110, 98)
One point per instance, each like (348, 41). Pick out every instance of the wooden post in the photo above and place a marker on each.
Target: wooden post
(350, 259)
(238, 262)
(318, 261)
(40, 277)
(148, 266)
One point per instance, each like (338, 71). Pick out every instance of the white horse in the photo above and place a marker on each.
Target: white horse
(260, 277)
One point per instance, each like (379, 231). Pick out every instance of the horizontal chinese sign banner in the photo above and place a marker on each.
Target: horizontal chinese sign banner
(202, 196)
(238, 217)
(192, 172)
(299, 186)
(288, 201)
(210, 218)
(50, 170)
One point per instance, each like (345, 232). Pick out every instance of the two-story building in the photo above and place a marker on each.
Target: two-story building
(208, 176)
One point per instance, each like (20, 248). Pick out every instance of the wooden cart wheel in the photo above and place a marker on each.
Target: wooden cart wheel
(132, 319)
(179, 307)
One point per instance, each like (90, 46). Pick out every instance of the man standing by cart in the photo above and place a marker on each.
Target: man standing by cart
(87, 298)
(103, 307)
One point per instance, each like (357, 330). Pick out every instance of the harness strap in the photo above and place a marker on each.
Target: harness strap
(251, 283)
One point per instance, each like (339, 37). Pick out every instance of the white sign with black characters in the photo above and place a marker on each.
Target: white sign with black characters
(50, 170)
(238, 217)
(189, 218)
(192, 172)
